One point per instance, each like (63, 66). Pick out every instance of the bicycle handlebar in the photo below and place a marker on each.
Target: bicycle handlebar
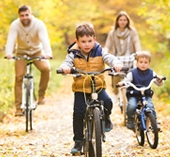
(78, 71)
(129, 84)
(27, 58)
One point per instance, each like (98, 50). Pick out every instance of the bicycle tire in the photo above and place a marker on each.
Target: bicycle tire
(32, 92)
(96, 137)
(27, 108)
(124, 106)
(31, 119)
(88, 149)
(151, 131)
(139, 131)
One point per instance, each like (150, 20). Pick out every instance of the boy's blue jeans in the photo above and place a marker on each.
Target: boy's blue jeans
(80, 109)
(132, 104)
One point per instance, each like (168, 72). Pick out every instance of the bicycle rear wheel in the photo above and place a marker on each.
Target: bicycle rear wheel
(139, 131)
(96, 137)
(124, 105)
(151, 130)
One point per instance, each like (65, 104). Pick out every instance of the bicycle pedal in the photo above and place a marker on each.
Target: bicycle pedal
(34, 106)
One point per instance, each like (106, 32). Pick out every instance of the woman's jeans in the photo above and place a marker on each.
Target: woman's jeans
(132, 104)
(80, 109)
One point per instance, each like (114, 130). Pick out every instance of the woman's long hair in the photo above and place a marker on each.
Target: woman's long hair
(123, 13)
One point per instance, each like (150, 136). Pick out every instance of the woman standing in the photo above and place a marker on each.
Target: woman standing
(122, 41)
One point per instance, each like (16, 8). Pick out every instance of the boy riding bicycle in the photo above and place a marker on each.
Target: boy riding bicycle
(86, 54)
(140, 76)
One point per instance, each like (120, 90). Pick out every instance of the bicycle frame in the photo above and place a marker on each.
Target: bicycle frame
(28, 83)
(28, 93)
(142, 111)
(92, 103)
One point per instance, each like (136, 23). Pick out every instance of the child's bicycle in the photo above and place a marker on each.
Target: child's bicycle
(144, 120)
(94, 121)
(28, 91)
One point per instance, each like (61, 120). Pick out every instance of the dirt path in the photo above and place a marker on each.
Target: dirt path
(52, 134)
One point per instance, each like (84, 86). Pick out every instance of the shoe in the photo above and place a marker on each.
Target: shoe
(77, 147)
(108, 124)
(130, 124)
(19, 112)
(41, 100)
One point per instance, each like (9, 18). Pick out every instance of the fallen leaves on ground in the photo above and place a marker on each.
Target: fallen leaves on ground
(52, 134)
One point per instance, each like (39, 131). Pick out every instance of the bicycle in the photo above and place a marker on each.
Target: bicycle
(122, 100)
(144, 119)
(128, 61)
(94, 121)
(28, 91)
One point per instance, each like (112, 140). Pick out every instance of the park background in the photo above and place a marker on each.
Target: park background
(150, 17)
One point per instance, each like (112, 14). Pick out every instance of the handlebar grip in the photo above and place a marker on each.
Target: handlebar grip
(117, 85)
(60, 71)
(125, 69)
(164, 78)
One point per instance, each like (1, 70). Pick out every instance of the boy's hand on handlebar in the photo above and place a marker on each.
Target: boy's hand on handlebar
(120, 84)
(118, 67)
(160, 79)
(66, 69)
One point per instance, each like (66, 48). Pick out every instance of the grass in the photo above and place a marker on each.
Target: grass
(8, 77)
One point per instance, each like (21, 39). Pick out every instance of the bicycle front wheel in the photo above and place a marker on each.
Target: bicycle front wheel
(96, 137)
(29, 109)
(139, 131)
(27, 113)
(151, 130)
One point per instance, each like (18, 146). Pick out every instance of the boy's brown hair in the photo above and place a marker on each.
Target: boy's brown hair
(83, 29)
(143, 54)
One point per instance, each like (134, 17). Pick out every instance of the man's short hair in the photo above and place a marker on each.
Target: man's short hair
(24, 8)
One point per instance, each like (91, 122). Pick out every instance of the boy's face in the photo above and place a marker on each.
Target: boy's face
(86, 43)
(143, 63)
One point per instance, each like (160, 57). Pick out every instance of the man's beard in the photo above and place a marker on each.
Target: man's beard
(26, 22)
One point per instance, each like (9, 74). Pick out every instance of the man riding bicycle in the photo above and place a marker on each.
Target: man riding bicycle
(28, 36)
